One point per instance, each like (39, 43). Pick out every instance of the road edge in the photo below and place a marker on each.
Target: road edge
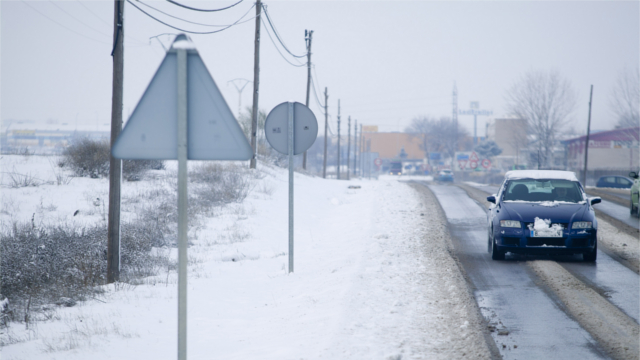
(473, 312)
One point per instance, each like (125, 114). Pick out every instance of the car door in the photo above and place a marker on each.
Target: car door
(623, 183)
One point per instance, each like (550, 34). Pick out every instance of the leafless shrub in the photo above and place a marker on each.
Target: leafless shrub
(88, 157)
(22, 180)
(43, 264)
(216, 185)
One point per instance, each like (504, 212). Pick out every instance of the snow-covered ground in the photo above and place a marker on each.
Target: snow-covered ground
(367, 284)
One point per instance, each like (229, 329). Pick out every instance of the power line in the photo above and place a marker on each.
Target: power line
(316, 95)
(94, 14)
(73, 31)
(108, 24)
(187, 31)
(78, 20)
(188, 21)
(276, 46)
(204, 10)
(278, 36)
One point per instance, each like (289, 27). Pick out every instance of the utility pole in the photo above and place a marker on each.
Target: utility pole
(349, 148)
(454, 118)
(326, 125)
(355, 145)
(586, 144)
(369, 157)
(115, 165)
(307, 37)
(361, 149)
(256, 85)
(338, 172)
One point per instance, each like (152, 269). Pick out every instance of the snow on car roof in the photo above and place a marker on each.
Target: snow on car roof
(540, 174)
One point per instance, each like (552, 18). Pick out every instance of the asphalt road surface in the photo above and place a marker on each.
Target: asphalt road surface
(530, 322)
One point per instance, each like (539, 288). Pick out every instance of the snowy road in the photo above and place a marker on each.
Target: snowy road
(617, 282)
(507, 293)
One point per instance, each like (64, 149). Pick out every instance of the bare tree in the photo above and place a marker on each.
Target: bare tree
(625, 98)
(438, 135)
(545, 100)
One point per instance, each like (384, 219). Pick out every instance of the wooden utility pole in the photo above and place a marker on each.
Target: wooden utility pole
(308, 35)
(326, 125)
(349, 149)
(586, 144)
(355, 146)
(338, 171)
(361, 153)
(256, 85)
(115, 165)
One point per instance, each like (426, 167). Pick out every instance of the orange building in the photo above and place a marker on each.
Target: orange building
(388, 145)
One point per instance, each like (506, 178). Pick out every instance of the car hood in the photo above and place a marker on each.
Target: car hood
(557, 212)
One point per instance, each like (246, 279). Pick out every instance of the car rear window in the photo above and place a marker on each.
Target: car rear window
(539, 190)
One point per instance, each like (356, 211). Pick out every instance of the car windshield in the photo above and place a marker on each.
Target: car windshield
(541, 190)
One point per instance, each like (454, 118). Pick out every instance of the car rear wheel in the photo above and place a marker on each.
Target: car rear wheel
(591, 256)
(496, 254)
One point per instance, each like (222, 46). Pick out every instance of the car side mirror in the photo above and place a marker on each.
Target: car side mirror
(595, 200)
(491, 199)
(633, 175)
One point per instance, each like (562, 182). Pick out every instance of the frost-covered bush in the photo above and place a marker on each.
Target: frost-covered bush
(89, 157)
(216, 184)
(41, 265)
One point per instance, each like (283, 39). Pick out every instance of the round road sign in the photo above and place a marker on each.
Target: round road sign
(305, 128)
(486, 163)
(377, 161)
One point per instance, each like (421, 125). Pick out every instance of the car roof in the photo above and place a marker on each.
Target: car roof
(540, 174)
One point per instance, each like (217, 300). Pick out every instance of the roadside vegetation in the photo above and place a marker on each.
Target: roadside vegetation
(47, 264)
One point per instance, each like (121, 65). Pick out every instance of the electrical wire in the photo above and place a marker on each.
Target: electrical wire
(276, 46)
(316, 96)
(78, 20)
(278, 36)
(188, 21)
(187, 31)
(204, 10)
(141, 43)
(73, 31)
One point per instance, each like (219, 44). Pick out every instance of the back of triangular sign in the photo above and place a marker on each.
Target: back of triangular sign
(213, 132)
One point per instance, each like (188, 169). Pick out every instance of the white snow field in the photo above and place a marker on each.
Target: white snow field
(366, 285)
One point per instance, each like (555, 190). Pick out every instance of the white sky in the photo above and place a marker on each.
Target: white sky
(388, 61)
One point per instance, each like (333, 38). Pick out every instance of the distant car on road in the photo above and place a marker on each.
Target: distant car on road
(445, 175)
(543, 212)
(635, 193)
(395, 168)
(614, 181)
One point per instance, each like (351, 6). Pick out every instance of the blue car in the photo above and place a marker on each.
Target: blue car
(542, 212)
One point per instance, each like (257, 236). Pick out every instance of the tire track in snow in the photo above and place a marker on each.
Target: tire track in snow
(616, 330)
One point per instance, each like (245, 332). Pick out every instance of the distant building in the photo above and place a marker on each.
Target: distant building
(510, 134)
(608, 150)
(46, 137)
(389, 145)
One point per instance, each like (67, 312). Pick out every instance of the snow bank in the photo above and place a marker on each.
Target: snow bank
(366, 285)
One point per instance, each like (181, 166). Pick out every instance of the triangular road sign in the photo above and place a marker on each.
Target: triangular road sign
(152, 129)
(473, 157)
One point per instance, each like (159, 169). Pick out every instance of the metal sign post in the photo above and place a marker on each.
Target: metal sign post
(182, 204)
(301, 132)
(290, 150)
(475, 111)
(182, 99)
